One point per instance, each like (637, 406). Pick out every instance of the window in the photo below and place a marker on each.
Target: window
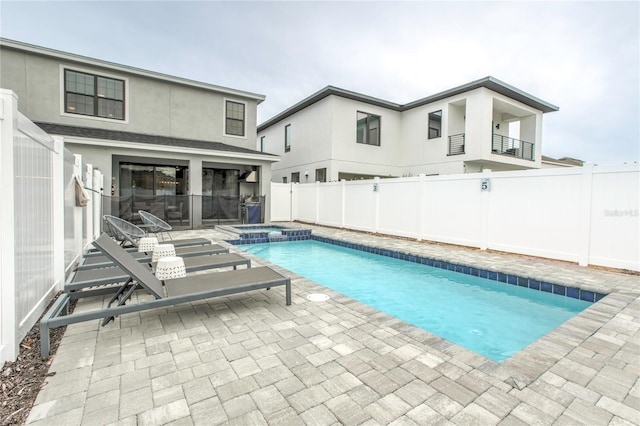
(262, 144)
(321, 175)
(284, 179)
(234, 118)
(295, 177)
(94, 95)
(287, 138)
(435, 124)
(368, 129)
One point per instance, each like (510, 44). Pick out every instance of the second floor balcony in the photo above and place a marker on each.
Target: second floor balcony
(512, 147)
(500, 144)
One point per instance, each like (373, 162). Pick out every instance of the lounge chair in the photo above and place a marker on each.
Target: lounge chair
(128, 233)
(174, 291)
(85, 278)
(102, 261)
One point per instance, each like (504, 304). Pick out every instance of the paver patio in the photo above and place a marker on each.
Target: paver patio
(250, 359)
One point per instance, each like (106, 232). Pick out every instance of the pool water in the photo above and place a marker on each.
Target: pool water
(491, 318)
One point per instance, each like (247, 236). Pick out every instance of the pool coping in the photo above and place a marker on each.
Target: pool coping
(526, 366)
(341, 361)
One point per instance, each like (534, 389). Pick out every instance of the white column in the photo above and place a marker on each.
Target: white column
(343, 205)
(317, 202)
(98, 187)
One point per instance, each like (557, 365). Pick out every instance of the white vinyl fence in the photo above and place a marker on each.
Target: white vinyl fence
(41, 226)
(588, 215)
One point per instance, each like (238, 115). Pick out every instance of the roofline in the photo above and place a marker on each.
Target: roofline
(45, 51)
(489, 82)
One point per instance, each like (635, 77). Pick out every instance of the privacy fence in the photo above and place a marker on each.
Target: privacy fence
(588, 215)
(42, 225)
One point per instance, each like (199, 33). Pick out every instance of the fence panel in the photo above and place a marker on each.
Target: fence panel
(399, 207)
(536, 213)
(615, 220)
(360, 206)
(452, 209)
(587, 215)
(330, 198)
(281, 202)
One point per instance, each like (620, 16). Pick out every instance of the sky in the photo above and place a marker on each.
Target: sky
(582, 56)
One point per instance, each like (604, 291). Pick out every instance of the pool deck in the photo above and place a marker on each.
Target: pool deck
(249, 359)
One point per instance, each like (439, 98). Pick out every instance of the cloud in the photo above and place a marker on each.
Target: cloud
(581, 56)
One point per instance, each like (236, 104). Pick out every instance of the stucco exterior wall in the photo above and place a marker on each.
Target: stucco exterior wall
(152, 106)
(310, 141)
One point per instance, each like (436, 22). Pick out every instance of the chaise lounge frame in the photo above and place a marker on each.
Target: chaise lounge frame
(175, 291)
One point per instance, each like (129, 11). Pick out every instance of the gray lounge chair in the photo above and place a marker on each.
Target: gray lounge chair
(104, 276)
(102, 261)
(174, 291)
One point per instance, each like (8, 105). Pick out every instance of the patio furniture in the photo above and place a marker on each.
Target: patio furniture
(122, 230)
(102, 261)
(97, 277)
(158, 226)
(174, 291)
(154, 224)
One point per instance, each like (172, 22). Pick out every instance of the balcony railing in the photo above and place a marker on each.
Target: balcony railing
(456, 144)
(505, 145)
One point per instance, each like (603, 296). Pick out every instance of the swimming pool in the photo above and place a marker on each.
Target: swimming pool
(489, 317)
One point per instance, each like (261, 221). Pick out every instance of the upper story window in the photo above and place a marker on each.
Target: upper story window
(435, 124)
(262, 143)
(94, 95)
(234, 118)
(287, 138)
(295, 177)
(321, 175)
(368, 128)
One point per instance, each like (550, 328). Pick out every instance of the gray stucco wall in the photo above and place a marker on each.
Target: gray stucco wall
(154, 106)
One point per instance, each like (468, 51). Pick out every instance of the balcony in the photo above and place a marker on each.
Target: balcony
(511, 147)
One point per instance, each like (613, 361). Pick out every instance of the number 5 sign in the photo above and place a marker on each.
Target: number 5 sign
(484, 185)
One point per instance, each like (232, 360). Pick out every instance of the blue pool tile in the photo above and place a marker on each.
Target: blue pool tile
(588, 296)
(483, 273)
(599, 296)
(523, 282)
(573, 293)
(512, 279)
(492, 276)
(534, 284)
(502, 277)
(559, 289)
(546, 287)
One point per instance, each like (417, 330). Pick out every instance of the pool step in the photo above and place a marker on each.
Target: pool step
(276, 236)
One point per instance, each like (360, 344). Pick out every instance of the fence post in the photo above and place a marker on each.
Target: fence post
(87, 212)
(96, 195)
(343, 200)
(586, 191)
(484, 209)
(8, 117)
(58, 197)
(421, 206)
(317, 202)
(376, 203)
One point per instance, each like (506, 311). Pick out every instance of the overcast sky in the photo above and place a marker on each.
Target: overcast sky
(580, 56)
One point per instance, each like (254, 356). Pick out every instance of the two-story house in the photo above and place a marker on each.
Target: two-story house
(182, 149)
(337, 134)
